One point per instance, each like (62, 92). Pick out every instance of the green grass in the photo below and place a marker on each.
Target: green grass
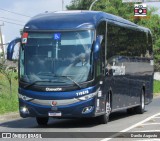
(8, 103)
(156, 89)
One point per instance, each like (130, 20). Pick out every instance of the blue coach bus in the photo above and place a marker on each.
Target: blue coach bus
(76, 64)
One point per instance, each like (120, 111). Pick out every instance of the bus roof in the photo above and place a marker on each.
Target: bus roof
(71, 20)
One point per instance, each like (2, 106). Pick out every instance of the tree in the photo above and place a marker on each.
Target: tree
(7, 74)
(126, 11)
(79, 5)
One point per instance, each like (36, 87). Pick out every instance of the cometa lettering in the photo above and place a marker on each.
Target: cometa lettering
(53, 89)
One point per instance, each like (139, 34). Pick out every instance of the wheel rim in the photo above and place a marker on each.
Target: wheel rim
(142, 104)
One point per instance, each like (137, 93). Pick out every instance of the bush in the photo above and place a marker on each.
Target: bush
(8, 103)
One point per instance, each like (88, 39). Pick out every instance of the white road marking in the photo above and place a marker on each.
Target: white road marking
(131, 127)
(156, 117)
(150, 123)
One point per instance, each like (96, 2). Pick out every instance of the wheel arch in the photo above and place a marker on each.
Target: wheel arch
(144, 88)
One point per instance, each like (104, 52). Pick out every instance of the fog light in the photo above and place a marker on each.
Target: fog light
(87, 109)
(24, 110)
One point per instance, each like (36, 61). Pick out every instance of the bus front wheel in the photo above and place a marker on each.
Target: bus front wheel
(42, 120)
(103, 119)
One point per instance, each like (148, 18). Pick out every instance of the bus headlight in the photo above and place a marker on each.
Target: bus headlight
(86, 97)
(25, 98)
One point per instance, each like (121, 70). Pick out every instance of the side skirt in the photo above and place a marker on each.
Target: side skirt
(123, 108)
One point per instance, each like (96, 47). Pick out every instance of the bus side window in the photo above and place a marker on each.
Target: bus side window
(150, 45)
(101, 30)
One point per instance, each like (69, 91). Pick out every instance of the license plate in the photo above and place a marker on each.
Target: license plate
(54, 114)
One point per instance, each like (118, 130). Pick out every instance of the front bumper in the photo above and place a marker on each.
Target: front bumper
(68, 111)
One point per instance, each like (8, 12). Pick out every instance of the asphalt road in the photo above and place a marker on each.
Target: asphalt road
(119, 121)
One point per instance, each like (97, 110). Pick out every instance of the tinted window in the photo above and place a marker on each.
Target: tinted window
(101, 30)
(124, 41)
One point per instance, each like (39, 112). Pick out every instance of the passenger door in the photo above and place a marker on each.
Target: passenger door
(100, 66)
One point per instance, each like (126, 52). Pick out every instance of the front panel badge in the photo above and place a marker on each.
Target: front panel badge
(53, 103)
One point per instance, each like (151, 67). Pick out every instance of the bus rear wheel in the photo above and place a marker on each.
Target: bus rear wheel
(141, 108)
(42, 120)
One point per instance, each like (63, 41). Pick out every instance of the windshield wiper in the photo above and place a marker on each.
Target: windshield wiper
(31, 84)
(69, 79)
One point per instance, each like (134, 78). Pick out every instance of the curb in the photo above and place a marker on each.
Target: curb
(9, 116)
(156, 95)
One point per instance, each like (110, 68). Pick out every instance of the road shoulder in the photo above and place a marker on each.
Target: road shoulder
(9, 116)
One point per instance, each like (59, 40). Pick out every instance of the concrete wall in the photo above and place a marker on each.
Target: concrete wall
(157, 76)
(3, 37)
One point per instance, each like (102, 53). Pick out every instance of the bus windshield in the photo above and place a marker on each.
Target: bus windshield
(56, 56)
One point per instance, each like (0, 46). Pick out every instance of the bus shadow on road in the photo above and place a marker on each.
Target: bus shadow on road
(86, 122)
(63, 123)
(121, 115)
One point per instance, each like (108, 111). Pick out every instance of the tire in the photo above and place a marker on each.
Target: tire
(103, 119)
(42, 120)
(130, 111)
(140, 109)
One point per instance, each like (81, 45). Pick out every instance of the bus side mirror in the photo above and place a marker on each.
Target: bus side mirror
(12, 46)
(97, 46)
